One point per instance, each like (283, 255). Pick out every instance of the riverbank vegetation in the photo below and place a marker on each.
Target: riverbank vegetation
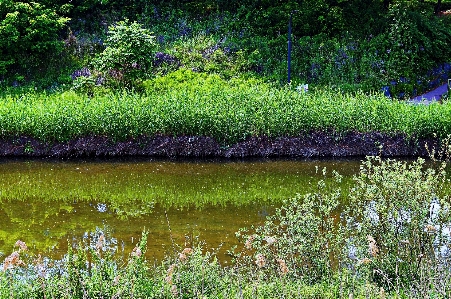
(185, 103)
(396, 46)
(125, 69)
(361, 241)
(207, 69)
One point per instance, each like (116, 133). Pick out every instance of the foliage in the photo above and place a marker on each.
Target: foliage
(128, 54)
(331, 46)
(88, 271)
(391, 229)
(402, 241)
(299, 240)
(29, 36)
(228, 111)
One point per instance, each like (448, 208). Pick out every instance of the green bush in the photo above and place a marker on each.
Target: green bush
(128, 54)
(29, 36)
(300, 240)
(400, 215)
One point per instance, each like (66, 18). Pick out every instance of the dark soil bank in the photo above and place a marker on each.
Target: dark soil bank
(317, 144)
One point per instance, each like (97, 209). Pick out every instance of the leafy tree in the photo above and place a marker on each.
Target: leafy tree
(128, 54)
(29, 34)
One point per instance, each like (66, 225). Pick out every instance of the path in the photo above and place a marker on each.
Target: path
(431, 96)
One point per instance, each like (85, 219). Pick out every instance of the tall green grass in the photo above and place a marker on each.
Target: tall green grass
(229, 111)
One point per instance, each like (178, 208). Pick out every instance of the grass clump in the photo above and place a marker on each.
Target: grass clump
(386, 236)
(188, 103)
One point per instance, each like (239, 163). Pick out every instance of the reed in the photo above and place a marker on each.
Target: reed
(229, 111)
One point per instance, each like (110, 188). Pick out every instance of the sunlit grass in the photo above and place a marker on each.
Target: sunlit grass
(229, 112)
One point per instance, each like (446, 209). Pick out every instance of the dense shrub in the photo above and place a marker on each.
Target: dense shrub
(128, 54)
(390, 229)
(29, 36)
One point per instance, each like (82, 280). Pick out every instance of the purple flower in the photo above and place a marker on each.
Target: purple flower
(163, 58)
(100, 81)
(386, 90)
(84, 72)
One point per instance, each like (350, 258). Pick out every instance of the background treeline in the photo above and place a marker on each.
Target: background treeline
(398, 46)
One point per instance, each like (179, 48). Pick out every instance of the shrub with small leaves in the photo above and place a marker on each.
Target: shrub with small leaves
(300, 241)
(399, 220)
(28, 35)
(129, 53)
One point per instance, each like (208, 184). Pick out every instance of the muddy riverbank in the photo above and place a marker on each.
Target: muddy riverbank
(315, 144)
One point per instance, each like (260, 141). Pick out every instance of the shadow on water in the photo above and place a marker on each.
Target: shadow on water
(49, 204)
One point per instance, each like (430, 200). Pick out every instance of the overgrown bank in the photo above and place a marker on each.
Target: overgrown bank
(191, 114)
(401, 46)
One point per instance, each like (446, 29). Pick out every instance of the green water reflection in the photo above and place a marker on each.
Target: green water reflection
(50, 203)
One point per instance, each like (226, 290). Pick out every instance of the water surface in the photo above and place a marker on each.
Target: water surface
(50, 204)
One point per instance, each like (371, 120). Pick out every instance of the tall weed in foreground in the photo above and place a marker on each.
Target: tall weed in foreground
(390, 232)
(88, 271)
(399, 222)
(298, 242)
(386, 236)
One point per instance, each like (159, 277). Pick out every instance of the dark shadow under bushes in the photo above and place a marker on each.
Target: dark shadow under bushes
(314, 144)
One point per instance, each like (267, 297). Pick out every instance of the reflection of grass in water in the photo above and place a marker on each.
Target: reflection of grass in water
(47, 225)
(305, 250)
(132, 187)
(45, 203)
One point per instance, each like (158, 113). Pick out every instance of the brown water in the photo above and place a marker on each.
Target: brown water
(50, 204)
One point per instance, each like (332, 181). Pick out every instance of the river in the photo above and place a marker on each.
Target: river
(50, 204)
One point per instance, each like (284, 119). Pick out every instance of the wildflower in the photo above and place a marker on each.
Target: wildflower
(187, 251)
(182, 257)
(38, 261)
(170, 272)
(270, 240)
(21, 244)
(84, 72)
(12, 261)
(136, 252)
(302, 88)
(260, 260)
(365, 261)
(249, 241)
(168, 279)
(373, 250)
(282, 266)
(174, 290)
(41, 272)
(430, 229)
(171, 269)
(100, 243)
(116, 280)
